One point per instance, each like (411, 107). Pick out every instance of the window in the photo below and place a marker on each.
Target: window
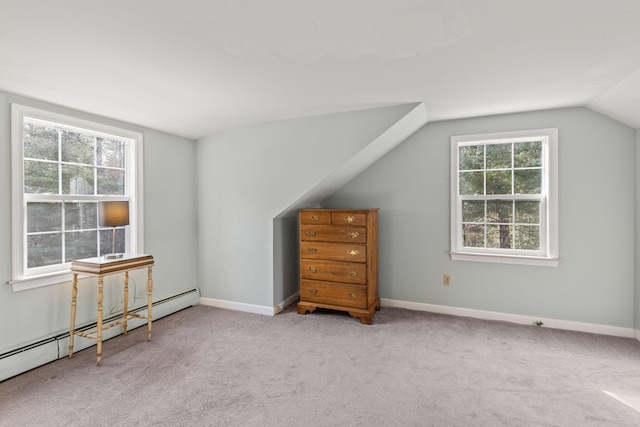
(62, 167)
(504, 197)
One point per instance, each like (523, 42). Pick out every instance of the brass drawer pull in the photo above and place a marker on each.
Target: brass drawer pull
(353, 296)
(313, 250)
(353, 273)
(353, 234)
(349, 219)
(353, 252)
(311, 233)
(313, 269)
(315, 217)
(313, 291)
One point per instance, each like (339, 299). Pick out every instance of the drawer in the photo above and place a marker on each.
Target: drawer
(329, 233)
(334, 271)
(333, 293)
(333, 251)
(315, 217)
(348, 218)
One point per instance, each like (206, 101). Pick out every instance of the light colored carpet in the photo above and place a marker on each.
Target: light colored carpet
(214, 367)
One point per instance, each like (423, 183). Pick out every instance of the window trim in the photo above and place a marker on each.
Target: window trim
(133, 180)
(550, 181)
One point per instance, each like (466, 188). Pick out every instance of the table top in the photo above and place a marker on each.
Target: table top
(98, 266)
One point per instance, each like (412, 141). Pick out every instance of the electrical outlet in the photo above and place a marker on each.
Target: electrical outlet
(447, 280)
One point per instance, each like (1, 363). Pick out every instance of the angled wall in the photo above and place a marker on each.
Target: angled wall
(251, 176)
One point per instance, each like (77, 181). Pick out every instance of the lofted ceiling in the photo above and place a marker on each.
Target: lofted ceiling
(194, 67)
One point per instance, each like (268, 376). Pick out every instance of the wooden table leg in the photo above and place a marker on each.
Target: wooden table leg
(99, 332)
(149, 302)
(126, 302)
(72, 329)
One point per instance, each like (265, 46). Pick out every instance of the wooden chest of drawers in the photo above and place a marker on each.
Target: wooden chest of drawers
(339, 261)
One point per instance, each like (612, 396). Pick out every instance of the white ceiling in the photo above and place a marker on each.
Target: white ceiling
(193, 67)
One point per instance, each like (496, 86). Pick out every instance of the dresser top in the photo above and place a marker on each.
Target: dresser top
(337, 210)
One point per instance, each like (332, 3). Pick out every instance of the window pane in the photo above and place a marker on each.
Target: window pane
(67, 170)
(528, 212)
(471, 157)
(77, 147)
(527, 237)
(471, 183)
(110, 153)
(77, 179)
(110, 181)
(44, 217)
(527, 154)
(473, 211)
(499, 182)
(40, 142)
(106, 240)
(473, 235)
(80, 216)
(44, 249)
(500, 211)
(527, 181)
(40, 177)
(82, 244)
(499, 236)
(498, 156)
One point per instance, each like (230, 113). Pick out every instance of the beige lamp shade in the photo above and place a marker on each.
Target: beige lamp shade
(113, 214)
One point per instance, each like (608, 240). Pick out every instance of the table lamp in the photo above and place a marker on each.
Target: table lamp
(113, 214)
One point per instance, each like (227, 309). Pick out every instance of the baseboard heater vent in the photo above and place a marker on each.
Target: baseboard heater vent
(30, 356)
(27, 348)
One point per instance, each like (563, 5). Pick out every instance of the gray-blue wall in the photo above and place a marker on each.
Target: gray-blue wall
(637, 258)
(170, 234)
(595, 282)
(250, 181)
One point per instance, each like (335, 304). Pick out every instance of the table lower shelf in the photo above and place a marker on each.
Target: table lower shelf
(118, 322)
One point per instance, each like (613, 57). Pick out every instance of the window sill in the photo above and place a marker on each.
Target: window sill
(27, 283)
(505, 259)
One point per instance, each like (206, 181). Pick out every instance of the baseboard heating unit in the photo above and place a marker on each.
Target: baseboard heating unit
(38, 353)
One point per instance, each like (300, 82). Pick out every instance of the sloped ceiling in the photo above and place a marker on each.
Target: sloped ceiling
(194, 67)
(414, 118)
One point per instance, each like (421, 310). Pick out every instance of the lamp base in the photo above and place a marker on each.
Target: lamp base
(113, 256)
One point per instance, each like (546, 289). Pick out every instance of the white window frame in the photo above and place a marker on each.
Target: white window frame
(24, 278)
(548, 253)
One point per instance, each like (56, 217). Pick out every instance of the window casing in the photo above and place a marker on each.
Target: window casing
(62, 167)
(504, 202)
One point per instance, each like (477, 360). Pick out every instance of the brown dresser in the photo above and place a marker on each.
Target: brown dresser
(339, 261)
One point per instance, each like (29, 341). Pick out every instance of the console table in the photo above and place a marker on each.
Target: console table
(100, 267)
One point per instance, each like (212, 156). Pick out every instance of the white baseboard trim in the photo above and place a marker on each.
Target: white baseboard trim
(568, 325)
(287, 302)
(250, 308)
(238, 306)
